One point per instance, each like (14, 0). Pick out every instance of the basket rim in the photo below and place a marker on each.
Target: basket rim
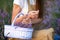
(18, 28)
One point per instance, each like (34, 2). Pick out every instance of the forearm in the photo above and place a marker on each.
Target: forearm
(16, 10)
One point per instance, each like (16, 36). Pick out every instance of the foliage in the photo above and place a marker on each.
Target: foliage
(5, 15)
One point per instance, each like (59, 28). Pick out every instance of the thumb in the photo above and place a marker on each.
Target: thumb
(37, 10)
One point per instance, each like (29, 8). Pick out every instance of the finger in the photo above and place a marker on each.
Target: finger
(37, 10)
(26, 21)
(34, 13)
(19, 19)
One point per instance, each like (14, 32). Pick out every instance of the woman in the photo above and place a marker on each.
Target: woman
(18, 5)
(35, 15)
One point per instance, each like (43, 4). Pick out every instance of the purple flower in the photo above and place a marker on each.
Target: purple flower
(58, 22)
(23, 25)
(3, 13)
(44, 21)
(1, 21)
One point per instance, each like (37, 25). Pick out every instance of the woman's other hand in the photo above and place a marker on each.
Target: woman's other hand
(33, 14)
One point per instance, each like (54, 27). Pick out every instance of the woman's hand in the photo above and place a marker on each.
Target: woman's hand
(26, 19)
(33, 14)
(20, 18)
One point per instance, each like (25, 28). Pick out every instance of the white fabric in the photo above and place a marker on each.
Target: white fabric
(21, 2)
(25, 8)
(32, 2)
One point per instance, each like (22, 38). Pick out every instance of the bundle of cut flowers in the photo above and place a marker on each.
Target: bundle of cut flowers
(25, 23)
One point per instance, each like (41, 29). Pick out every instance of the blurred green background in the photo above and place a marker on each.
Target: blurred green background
(7, 5)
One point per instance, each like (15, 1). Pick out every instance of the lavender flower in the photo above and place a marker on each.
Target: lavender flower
(58, 22)
(23, 25)
(3, 13)
(3, 17)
